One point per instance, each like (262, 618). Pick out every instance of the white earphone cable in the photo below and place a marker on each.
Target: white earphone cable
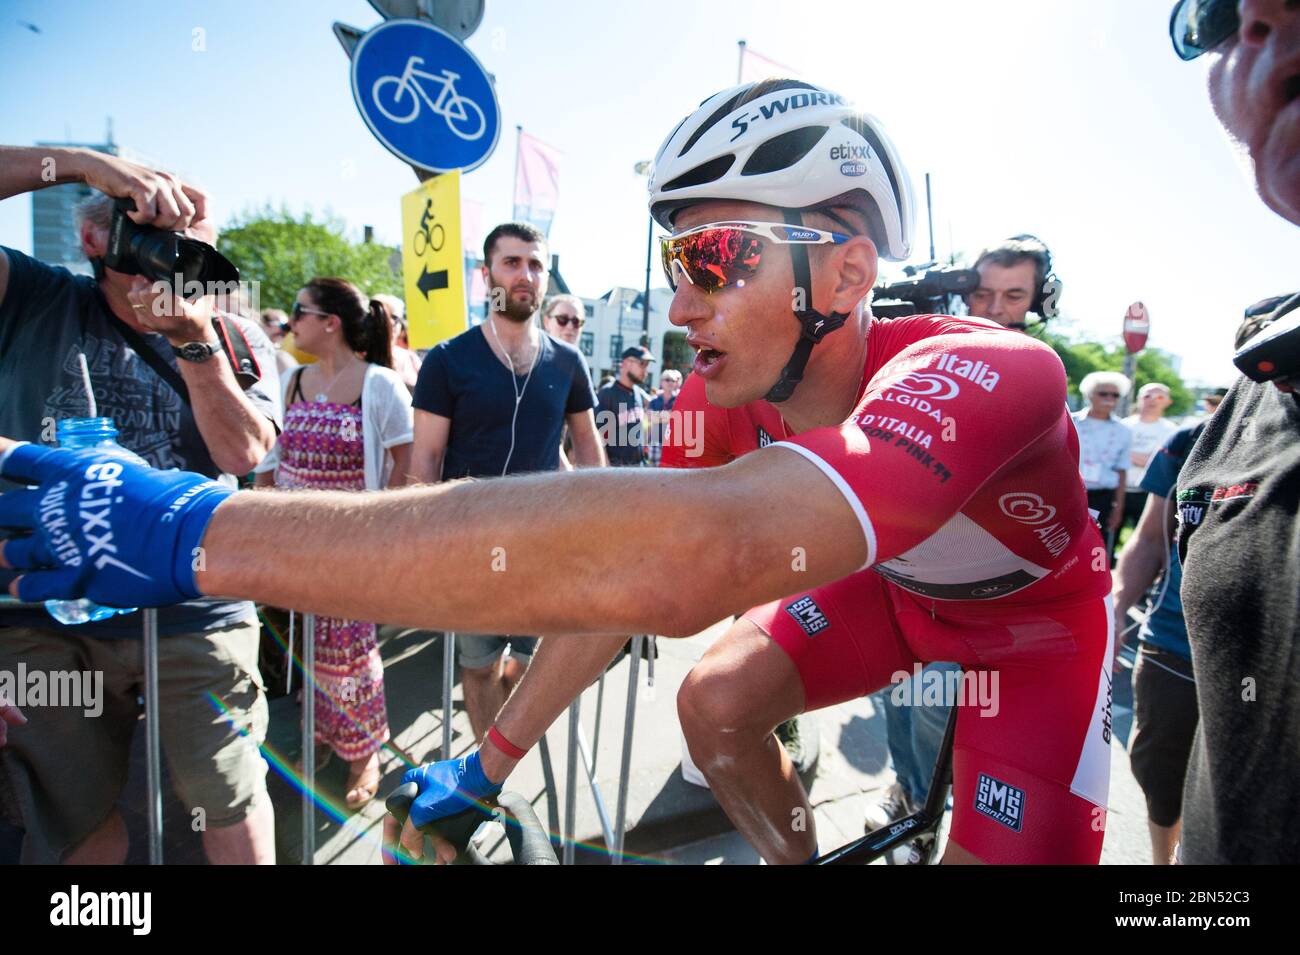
(518, 392)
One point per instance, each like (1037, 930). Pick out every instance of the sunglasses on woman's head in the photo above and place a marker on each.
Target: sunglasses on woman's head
(725, 254)
(299, 311)
(1198, 26)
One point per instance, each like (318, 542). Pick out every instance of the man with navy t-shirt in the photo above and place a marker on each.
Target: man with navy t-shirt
(621, 410)
(1164, 689)
(494, 401)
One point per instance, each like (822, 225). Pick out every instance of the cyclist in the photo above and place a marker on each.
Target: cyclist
(920, 501)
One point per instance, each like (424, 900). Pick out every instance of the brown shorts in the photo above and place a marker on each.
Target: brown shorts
(64, 771)
(1164, 722)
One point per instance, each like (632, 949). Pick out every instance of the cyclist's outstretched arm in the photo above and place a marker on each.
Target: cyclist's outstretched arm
(506, 556)
(518, 556)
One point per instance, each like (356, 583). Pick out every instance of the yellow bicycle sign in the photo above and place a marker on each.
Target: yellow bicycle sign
(433, 266)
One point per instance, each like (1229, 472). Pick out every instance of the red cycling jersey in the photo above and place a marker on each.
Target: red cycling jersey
(960, 463)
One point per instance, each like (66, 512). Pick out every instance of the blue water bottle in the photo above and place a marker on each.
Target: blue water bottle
(101, 435)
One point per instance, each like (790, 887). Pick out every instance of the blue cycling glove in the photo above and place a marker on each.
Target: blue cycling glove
(96, 526)
(447, 788)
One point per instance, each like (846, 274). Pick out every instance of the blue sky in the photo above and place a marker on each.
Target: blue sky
(1073, 121)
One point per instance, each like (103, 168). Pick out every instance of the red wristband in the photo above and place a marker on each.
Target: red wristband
(497, 739)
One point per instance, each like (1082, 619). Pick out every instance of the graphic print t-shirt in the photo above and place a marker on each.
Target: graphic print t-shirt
(47, 318)
(1239, 537)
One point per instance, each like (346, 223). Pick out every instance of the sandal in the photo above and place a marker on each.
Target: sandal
(362, 785)
(323, 755)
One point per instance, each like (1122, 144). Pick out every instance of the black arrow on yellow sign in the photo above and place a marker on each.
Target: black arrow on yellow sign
(431, 281)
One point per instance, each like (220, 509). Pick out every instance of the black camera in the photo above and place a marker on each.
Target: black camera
(930, 294)
(163, 256)
(1268, 342)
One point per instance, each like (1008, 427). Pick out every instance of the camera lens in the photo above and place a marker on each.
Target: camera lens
(156, 253)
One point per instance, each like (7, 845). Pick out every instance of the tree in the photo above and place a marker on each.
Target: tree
(1081, 358)
(282, 253)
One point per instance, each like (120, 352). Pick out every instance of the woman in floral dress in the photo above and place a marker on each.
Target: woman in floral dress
(347, 427)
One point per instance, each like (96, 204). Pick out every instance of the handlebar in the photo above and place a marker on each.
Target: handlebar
(529, 843)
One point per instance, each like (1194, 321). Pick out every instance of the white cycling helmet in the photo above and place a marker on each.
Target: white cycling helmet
(787, 144)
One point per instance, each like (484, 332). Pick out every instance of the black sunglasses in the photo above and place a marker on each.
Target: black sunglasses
(564, 320)
(299, 310)
(1198, 26)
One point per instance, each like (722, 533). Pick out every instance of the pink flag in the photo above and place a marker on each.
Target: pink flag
(471, 226)
(477, 289)
(755, 67)
(537, 182)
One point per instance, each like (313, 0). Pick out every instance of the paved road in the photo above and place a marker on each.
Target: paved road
(669, 820)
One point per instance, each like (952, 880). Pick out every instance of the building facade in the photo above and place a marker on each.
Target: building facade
(54, 227)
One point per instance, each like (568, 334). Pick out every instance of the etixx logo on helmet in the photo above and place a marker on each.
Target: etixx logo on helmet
(787, 144)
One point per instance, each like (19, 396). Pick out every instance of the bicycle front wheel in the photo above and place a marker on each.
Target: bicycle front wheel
(436, 237)
(464, 118)
(393, 103)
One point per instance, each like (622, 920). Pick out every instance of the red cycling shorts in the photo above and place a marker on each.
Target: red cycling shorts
(1031, 756)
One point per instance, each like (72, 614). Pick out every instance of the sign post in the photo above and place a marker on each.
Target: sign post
(1137, 326)
(433, 266)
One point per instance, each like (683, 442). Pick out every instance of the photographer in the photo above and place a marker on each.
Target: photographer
(1239, 491)
(1015, 279)
(176, 410)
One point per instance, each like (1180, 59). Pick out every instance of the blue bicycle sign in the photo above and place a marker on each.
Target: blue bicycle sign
(463, 115)
(425, 97)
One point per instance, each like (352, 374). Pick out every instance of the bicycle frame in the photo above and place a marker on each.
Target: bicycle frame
(875, 844)
(447, 80)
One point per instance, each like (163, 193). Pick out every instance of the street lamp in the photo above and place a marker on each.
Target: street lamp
(644, 168)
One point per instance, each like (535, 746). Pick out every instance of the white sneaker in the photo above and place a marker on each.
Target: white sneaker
(893, 807)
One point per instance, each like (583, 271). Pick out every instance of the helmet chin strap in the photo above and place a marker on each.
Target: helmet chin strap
(814, 326)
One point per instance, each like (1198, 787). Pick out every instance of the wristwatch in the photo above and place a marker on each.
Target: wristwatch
(196, 351)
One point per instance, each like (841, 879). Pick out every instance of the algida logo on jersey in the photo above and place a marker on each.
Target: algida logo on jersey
(789, 103)
(920, 389)
(1031, 510)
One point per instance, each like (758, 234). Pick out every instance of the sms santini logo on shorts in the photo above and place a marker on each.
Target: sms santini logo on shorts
(1000, 801)
(808, 615)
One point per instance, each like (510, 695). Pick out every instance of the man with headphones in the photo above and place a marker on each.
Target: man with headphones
(494, 401)
(1015, 278)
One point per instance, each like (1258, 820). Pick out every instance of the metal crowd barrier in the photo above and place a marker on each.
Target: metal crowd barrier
(152, 722)
(578, 748)
(308, 739)
(152, 738)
